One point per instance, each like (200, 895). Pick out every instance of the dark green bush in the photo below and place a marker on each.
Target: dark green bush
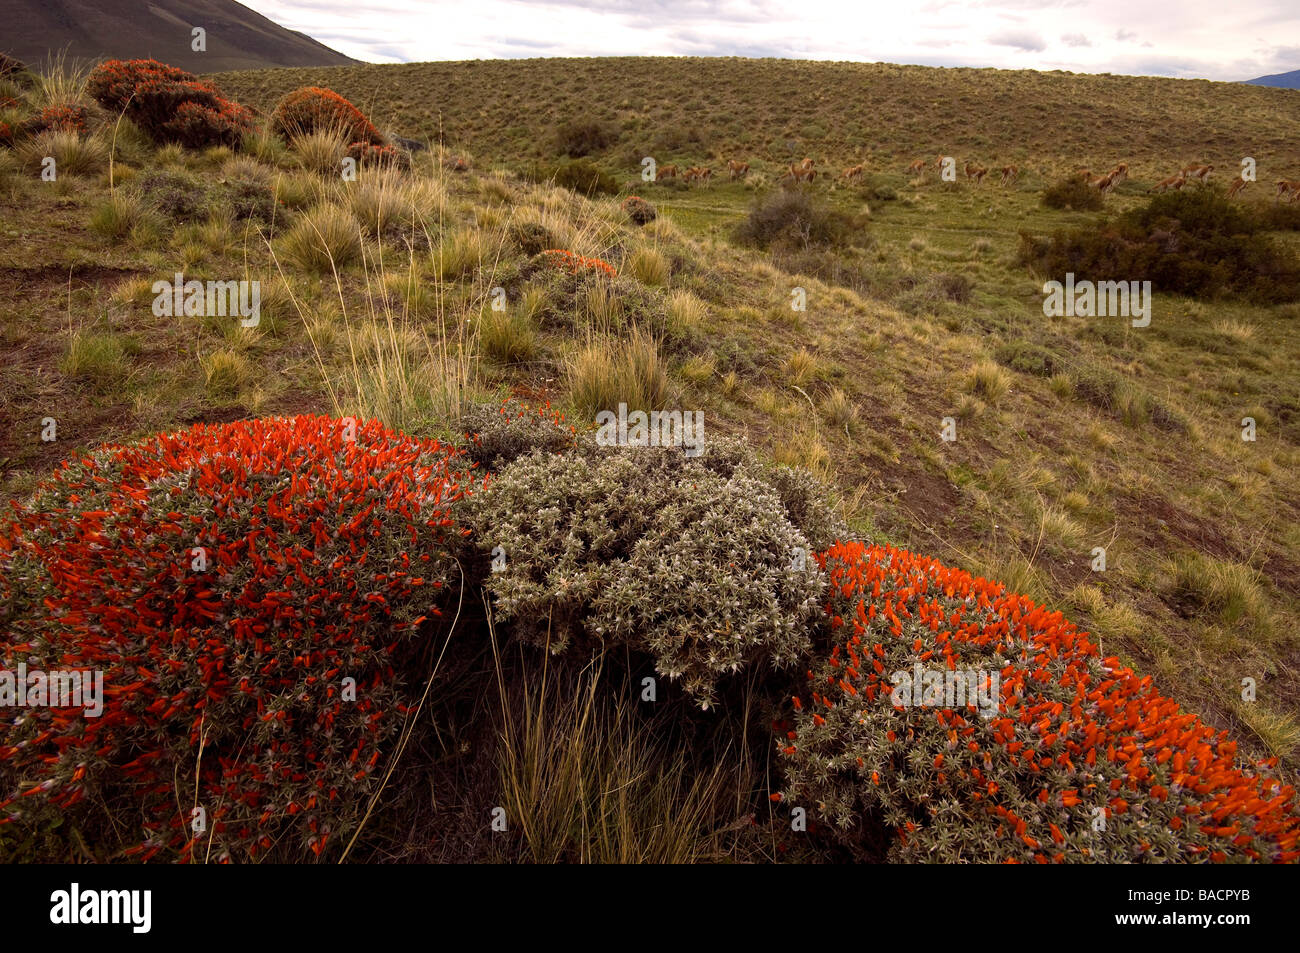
(580, 175)
(533, 238)
(1192, 242)
(583, 137)
(1074, 194)
(794, 218)
(177, 195)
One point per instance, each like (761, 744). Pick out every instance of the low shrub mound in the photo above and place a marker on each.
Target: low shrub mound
(369, 154)
(985, 728)
(562, 259)
(500, 435)
(169, 105)
(690, 560)
(792, 218)
(1073, 194)
(580, 175)
(583, 137)
(253, 595)
(1194, 242)
(639, 210)
(58, 119)
(313, 109)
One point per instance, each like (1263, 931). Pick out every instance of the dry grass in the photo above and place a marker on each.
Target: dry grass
(606, 372)
(323, 241)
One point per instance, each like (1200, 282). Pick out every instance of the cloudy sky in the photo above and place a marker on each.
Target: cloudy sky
(1214, 39)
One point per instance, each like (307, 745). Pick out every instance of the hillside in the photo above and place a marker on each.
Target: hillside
(842, 113)
(83, 30)
(840, 327)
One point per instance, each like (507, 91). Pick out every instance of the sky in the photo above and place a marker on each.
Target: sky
(1210, 39)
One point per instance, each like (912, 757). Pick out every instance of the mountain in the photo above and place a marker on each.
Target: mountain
(1289, 80)
(237, 37)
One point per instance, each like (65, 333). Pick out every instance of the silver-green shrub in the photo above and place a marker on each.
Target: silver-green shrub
(692, 560)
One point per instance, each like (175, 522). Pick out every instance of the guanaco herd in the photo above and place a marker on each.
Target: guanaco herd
(806, 171)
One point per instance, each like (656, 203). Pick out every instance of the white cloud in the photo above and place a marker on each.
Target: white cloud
(1208, 38)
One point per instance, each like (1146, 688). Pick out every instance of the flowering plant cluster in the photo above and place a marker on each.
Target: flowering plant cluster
(253, 594)
(58, 119)
(690, 560)
(313, 109)
(639, 210)
(369, 154)
(169, 104)
(498, 435)
(563, 260)
(1080, 759)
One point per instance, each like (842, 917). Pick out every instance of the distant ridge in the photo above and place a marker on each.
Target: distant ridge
(86, 30)
(1289, 80)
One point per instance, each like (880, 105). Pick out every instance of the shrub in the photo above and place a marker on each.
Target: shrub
(369, 154)
(313, 109)
(254, 568)
(168, 104)
(114, 83)
(1196, 243)
(793, 218)
(583, 137)
(58, 119)
(639, 210)
(176, 194)
(650, 549)
(500, 435)
(579, 176)
(1069, 758)
(1074, 194)
(1028, 358)
(533, 238)
(563, 260)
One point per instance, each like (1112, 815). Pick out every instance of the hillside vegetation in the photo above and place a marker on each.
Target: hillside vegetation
(921, 306)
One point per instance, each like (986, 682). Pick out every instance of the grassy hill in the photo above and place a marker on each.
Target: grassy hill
(840, 113)
(1073, 432)
(87, 30)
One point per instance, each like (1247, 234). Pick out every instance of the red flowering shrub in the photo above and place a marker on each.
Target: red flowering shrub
(1074, 758)
(6, 134)
(251, 593)
(312, 109)
(169, 104)
(366, 154)
(563, 260)
(639, 210)
(113, 83)
(58, 119)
